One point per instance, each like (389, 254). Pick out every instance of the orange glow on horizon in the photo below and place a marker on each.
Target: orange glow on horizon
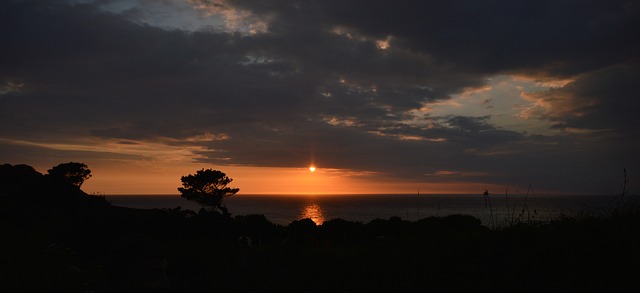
(312, 168)
(112, 178)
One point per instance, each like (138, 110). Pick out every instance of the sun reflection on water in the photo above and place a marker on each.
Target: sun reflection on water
(313, 212)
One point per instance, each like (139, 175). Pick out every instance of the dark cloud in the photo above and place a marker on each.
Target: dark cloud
(332, 80)
(557, 37)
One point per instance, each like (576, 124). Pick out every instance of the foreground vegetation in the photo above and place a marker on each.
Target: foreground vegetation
(56, 238)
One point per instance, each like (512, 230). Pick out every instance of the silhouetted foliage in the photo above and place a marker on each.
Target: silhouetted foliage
(22, 185)
(19, 179)
(255, 229)
(341, 231)
(136, 263)
(72, 173)
(207, 187)
(302, 232)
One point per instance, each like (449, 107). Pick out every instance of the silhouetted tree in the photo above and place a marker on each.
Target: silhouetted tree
(72, 173)
(207, 187)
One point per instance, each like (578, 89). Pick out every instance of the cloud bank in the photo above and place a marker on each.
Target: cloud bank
(400, 92)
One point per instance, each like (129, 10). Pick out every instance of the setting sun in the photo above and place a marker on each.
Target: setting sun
(312, 169)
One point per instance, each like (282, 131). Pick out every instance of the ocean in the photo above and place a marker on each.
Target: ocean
(494, 210)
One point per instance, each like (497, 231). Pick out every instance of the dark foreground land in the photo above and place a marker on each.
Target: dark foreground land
(66, 241)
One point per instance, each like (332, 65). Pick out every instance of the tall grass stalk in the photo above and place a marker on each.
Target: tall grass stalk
(525, 215)
(506, 198)
(487, 202)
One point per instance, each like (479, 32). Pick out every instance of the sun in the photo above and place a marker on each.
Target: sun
(312, 168)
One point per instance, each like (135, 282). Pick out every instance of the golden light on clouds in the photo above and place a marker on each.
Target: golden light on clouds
(383, 44)
(235, 20)
(511, 102)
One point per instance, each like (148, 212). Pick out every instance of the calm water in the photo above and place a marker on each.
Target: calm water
(364, 208)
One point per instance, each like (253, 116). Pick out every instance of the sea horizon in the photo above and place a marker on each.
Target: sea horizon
(284, 208)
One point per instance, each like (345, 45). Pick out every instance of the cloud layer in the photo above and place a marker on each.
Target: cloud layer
(351, 85)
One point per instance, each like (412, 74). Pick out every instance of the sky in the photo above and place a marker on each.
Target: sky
(381, 96)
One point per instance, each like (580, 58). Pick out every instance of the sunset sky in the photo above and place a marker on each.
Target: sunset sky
(380, 96)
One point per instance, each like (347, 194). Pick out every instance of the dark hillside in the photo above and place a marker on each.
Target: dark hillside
(59, 239)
